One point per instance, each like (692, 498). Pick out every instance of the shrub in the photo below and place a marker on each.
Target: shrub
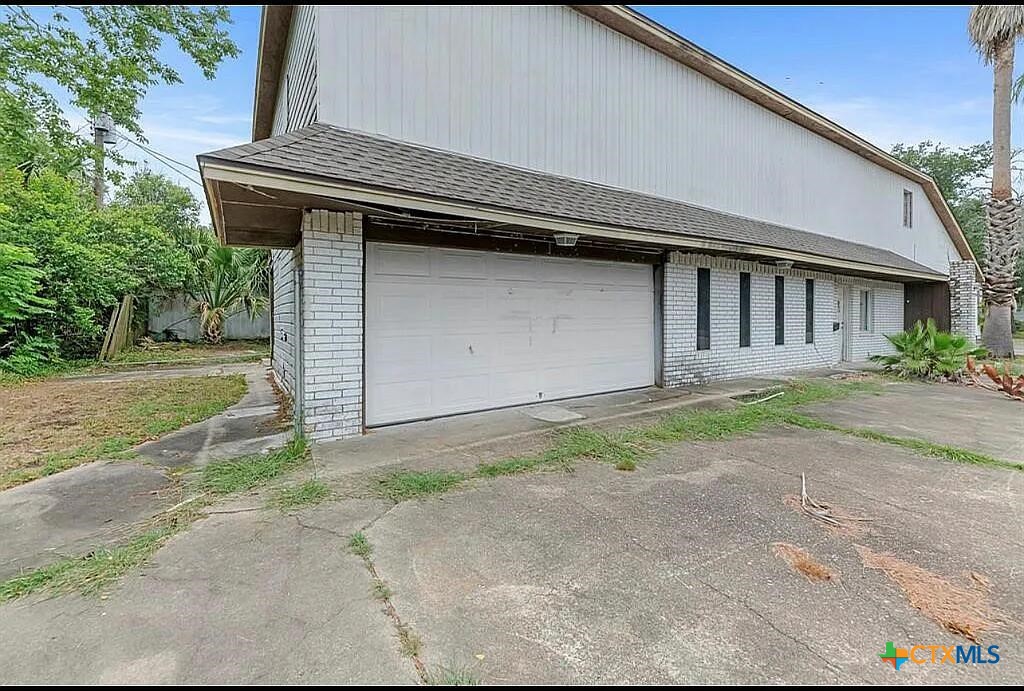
(924, 351)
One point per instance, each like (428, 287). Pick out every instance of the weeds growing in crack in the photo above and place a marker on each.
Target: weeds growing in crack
(451, 675)
(360, 546)
(409, 643)
(380, 590)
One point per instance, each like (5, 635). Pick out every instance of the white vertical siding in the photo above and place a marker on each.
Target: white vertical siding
(546, 88)
(296, 107)
(282, 266)
(297, 92)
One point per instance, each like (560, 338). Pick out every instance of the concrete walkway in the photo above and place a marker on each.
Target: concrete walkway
(76, 511)
(510, 431)
(245, 428)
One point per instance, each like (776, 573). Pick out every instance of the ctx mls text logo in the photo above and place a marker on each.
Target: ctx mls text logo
(939, 655)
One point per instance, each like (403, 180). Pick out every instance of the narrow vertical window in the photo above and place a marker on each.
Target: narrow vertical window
(703, 309)
(908, 209)
(744, 310)
(780, 310)
(867, 310)
(809, 311)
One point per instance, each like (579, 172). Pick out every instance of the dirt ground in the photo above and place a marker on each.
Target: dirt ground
(65, 422)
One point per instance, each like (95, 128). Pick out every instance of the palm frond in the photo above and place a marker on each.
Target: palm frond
(991, 26)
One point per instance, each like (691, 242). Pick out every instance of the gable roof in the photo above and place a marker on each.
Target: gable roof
(274, 36)
(334, 154)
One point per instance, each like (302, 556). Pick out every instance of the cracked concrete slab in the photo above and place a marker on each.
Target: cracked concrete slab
(243, 598)
(667, 575)
(76, 511)
(970, 418)
(248, 427)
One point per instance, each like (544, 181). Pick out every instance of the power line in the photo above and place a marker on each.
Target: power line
(163, 158)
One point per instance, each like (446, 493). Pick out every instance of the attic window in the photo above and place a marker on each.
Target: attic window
(908, 209)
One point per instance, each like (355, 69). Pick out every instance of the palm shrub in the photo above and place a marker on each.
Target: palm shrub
(924, 351)
(224, 280)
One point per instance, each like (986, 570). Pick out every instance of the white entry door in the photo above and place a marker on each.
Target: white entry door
(451, 331)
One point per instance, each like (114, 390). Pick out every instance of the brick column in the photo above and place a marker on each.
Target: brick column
(332, 324)
(964, 293)
(678, 301)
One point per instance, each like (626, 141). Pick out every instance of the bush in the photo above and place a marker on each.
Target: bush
(31, 356)
(924, 351)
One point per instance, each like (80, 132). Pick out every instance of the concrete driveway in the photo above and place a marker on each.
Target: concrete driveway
(664, 574)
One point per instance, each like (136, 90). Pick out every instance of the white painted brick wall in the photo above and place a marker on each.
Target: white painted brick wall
(684, 364)
(332, 317)
(888, 317)
(964, 295)
(282, 266)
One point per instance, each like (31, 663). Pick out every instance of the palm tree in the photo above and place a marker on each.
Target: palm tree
(994, 30)
(224, 280)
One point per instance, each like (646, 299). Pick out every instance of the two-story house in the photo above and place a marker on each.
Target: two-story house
(483, 206)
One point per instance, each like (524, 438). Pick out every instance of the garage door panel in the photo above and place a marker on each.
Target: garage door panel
(485, 330)
(396, 306)
(512, 268)
(461, 265)
(401, 260)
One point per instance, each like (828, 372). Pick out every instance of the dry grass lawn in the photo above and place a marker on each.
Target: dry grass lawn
(52, 425)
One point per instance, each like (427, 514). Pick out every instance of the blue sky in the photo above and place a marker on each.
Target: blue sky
(891, 74)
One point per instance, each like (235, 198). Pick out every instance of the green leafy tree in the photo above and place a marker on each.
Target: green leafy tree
(87, 259)
(173, 206)
(19, 290)
(225, 280)
(107, 56)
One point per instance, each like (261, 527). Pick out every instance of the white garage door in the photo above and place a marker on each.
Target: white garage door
(450, 331)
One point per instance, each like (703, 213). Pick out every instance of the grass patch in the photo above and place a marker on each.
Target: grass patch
(925, 448)
(95, 571)
(308, 493)
(51, 426)
(451, 676)
(403, 485)
(626, 450)
(194, 353)
(249, 472)
(360, 546)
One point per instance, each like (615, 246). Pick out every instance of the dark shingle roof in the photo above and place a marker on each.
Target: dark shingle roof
(330, 152)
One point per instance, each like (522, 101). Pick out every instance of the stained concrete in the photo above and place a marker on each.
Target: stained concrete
(76, 511)
(97, 504)
(468, 438)
(667, 574)
(967, 417)
(243, 598)
(248, 427)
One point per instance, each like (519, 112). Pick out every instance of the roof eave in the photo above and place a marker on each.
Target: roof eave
(248, 175)
(275, 25)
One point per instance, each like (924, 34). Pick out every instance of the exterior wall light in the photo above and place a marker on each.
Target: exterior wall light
(566, 239)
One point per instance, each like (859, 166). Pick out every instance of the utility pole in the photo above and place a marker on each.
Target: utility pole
(102, 134)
